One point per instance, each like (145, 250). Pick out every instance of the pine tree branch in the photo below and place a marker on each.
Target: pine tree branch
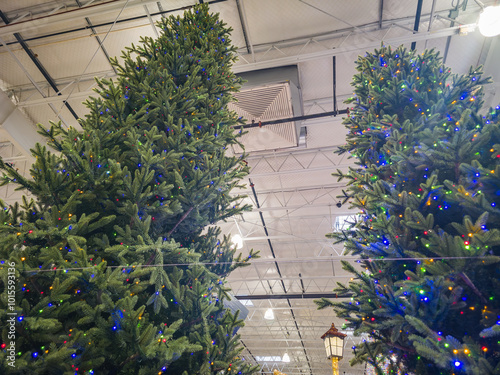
(471, 285)
(180, 221)
(131, 358)
(392, 344)
(402, 348)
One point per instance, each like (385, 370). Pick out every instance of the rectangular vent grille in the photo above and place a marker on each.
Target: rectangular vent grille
(266, 103)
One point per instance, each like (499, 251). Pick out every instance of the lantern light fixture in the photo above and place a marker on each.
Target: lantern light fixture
(334, 345)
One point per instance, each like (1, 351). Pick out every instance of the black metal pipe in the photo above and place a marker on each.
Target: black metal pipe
(38, 64)
(302, 283)
(248, 350)
(334, 82)
(280, 275)
(267, 234)
(44, 72)
(300, 335)
(4, 18)
(380, 13)
(291, 119)
(417, 21)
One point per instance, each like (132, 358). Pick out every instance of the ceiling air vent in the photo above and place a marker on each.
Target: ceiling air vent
(267, 95)
(264, 104)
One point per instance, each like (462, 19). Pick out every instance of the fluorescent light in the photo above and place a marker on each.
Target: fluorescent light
(269, 315)
(489, 21)
(237, 241)
(285, 358)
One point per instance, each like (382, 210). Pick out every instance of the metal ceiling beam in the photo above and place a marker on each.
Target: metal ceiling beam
(286, 237)
(284, 61)
(58, 98)
(292, 296)
(33, 82)
(294, 207)
(290, 60)
(311, 259)
(279, 272)
(431, 16)
(244, 28)
(277, 348)
(87, 93)
(319, 215)
(304, 170)
(94, 32)
(349, 48)
(334, 87)
(291, 278)
(88, 11)
(44, 72)
(380, 13)
(417, 21)
(19, 128)
(342, 370)
(293, 41)
(296, 189)
(38, 64)
(259, 338)
(306, 57)
(70, 15)
(435, 34)
(151, 22)
(295, 152)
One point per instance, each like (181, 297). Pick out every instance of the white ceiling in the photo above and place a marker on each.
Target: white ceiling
(292, 181)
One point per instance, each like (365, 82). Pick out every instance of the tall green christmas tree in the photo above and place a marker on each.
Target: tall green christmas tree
(427, 184)
(117, 264)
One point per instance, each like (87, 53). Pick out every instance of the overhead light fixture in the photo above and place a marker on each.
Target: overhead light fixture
(285, 358)
(269, 314)
(334, 345)
(237, 241)
(489, 20)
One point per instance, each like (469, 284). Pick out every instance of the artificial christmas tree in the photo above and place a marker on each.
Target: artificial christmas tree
(118, 265)
(427, 184)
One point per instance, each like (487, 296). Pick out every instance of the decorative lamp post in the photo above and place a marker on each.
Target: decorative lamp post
(334, 345)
